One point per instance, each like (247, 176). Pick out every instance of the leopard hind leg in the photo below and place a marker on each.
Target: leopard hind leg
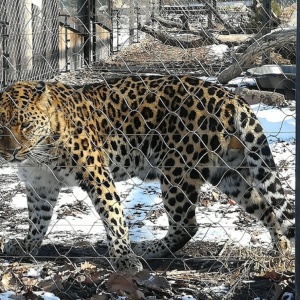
(239, 185)
(180, 197)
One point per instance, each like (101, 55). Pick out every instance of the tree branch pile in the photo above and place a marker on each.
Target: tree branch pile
(256, 49)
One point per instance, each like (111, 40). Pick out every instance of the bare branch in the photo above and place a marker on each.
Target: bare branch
(257, 48)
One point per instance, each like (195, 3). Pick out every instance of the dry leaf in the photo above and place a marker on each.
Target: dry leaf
(205, 202)
(117, 282)
(2, 244)
(154, 282)
(29, 281)
(80, 278)
(66, 267)
(273, 275)
(95, 277)
(124, 285)
(11, 282)
(51, 285)
(87, 265)
(142, 276)
(30, 296)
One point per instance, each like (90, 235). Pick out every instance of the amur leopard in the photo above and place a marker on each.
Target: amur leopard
(177, 129)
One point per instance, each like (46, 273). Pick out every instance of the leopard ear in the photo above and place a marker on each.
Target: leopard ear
(44, 98)
(40, 87)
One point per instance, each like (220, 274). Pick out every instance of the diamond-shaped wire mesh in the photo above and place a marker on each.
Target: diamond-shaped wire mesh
(144, 121)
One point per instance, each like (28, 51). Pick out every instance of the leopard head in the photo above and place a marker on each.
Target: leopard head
(26, 113)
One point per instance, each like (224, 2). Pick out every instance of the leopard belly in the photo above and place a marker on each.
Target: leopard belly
(141, 162)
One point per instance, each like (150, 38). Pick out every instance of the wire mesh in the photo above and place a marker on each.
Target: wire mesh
(95, 48)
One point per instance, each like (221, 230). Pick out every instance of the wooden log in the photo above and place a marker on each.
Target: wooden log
(233, 39)
(230, 40)
(170, 40)
(184, 27)
(166, 23)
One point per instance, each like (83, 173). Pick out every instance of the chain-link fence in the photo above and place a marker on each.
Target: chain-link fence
(137, 104)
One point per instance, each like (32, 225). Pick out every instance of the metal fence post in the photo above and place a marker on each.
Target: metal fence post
(94, 29)
(297, 181)
(67, 40)
(266, 22)
(5, 55)
(85, 17)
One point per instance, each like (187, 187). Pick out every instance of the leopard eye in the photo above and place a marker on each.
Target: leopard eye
(25, 125)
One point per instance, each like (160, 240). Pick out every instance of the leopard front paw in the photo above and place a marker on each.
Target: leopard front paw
(284, 246)
(17, 247)
(129, 264)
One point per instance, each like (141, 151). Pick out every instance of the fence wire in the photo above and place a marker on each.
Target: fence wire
(120, 49)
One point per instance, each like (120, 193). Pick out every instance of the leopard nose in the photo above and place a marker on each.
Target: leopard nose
(13, 151)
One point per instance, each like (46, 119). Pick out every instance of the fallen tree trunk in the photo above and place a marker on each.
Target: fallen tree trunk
(184, 26)
(233, 39)
(166, 23)
(256, 49)
(206, 39)
(168, 39)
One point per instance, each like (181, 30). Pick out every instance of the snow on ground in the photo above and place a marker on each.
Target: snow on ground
(41, 295)
(219, 222)
(279, 123)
